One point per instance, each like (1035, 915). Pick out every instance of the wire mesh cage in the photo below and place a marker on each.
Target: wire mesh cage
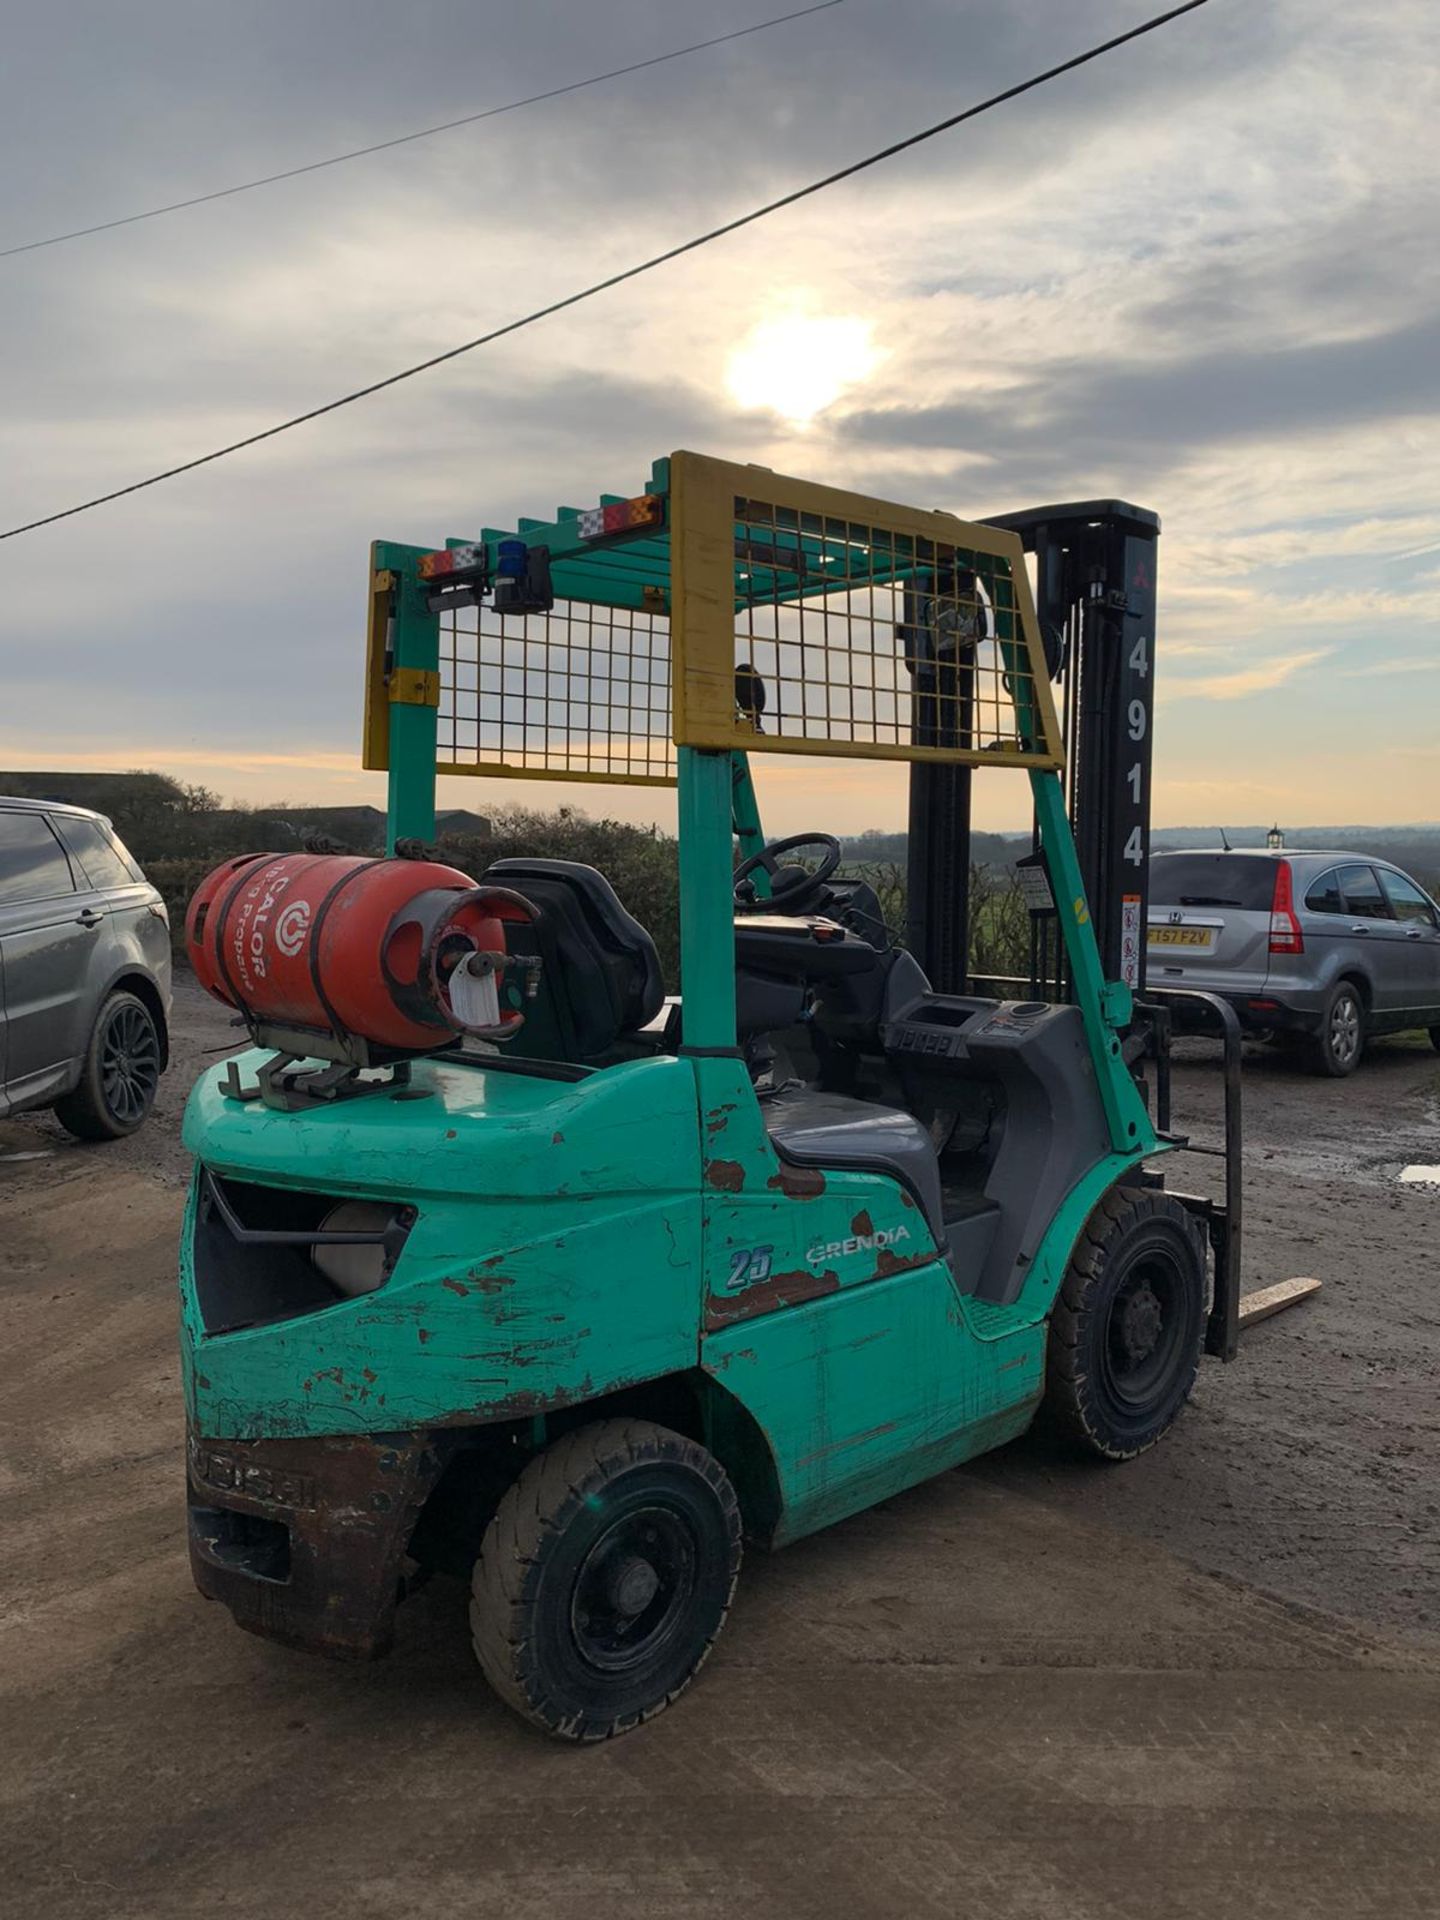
(857, 627)
(579, 693)
(860, 636)
(725, 607)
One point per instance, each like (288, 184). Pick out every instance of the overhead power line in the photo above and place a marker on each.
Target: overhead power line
(628, 273)
(423, 133)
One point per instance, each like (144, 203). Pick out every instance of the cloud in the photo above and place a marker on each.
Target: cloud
(1198, 275)
(1385, 669)
(1264, 677)
(1196, 401)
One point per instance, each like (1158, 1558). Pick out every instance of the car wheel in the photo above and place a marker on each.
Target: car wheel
(1125, 1333)
(604, 1578)
(120, 1076)
(1340, 1041)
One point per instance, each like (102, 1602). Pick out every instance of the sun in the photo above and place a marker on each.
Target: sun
(797, 364)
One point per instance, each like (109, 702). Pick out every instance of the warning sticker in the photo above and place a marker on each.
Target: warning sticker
(1130, 939)
(1034, 886)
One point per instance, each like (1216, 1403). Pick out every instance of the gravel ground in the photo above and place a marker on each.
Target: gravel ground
(1311, 1464)
(1205, 1684)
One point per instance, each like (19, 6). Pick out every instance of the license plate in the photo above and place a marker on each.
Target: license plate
(1198, 939)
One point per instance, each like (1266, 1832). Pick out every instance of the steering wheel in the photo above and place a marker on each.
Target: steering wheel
(790, 887)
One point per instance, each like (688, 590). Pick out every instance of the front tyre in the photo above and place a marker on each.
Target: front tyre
(1125, 1333)
(605, 1577)
(120, 1075)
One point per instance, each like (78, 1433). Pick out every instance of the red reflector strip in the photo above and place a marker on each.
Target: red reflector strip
(434, 566)
(646, 510)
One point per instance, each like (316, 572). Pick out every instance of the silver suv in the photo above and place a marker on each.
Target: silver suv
(84, 972)
(1331, 946)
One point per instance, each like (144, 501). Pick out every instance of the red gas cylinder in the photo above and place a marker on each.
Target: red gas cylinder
(403, 953)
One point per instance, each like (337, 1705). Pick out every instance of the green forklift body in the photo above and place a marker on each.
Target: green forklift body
(572, 1239)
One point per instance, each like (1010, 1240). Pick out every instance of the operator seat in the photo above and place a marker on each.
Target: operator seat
(601, 978)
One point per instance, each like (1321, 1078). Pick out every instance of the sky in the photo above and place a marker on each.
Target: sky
(1200, 275)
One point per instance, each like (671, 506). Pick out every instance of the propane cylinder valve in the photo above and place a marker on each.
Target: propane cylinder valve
(474, 991)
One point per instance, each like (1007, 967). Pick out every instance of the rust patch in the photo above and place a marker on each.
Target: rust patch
(486, 1280)
(352, 1392)
(557, 1139)
(727, 1176)
(715, 1120)
(862, 1223)
(780, 1290)
(887, 1262)
(422, 1334)
(524, 1402)
(350, 1503)
(797, 1183)
(454, 1286)
(450, 1133)
(907, 1199)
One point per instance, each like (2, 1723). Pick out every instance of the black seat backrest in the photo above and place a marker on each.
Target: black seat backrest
(601, 976)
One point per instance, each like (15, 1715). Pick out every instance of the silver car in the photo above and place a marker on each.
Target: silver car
(84, 972)
(1329, 946)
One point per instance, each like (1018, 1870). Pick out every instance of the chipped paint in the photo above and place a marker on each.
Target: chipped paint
(797, 1183)
(888, 1263)
(485, 1279)
(780, 1290)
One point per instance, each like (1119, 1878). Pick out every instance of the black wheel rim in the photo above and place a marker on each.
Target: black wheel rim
(1144, 1332)
(129, 1064)
(634, 1588)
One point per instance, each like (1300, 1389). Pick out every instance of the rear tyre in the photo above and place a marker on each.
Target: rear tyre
(1337, 1046)
(1125, 1333)
(121, 1073)
(605, 1577)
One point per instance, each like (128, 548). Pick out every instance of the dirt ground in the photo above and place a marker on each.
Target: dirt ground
(1207, 1683)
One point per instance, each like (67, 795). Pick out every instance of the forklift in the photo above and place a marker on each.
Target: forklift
(500, 1261)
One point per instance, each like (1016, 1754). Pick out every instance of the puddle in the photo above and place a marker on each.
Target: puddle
(1420, 1176)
